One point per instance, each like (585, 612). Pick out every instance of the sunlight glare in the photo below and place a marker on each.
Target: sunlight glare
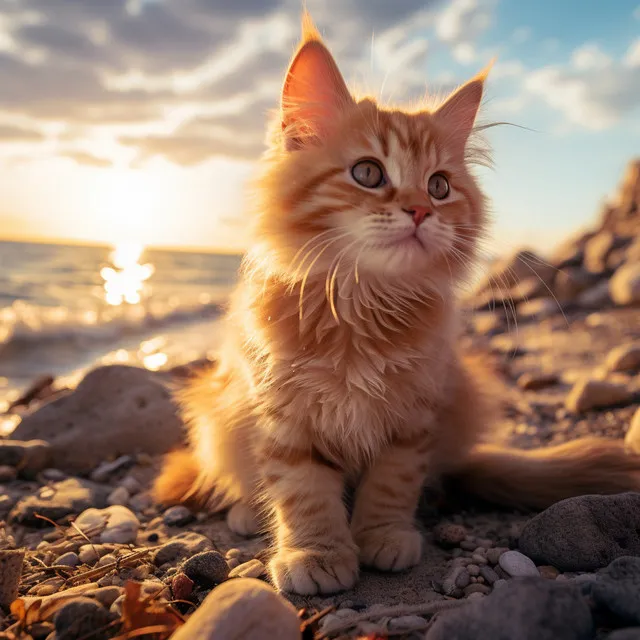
(125, 281)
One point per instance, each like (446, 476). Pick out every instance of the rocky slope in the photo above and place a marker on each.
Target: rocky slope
(86, 554)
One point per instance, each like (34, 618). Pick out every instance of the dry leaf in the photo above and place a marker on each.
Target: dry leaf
(159, 619)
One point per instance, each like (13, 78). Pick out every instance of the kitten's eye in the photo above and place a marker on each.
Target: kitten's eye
(368, 173)
(438, 186)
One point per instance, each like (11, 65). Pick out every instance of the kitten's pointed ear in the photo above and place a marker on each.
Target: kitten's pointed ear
(458, 112)
(314, 92)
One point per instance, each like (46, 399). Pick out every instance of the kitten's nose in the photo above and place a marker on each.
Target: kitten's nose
(418, 213)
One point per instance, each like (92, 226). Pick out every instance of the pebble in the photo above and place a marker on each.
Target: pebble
(517, 565)
(177, 516)
(626, 357)
(120, 524)
(624, 285)
(233, 553)
(407, 623)
(252, 569)
(592, 394)
(69, 559)
(479, 558)
(468, 545)
(181, 546)
(548, 572)
(7, 473)
(449, 582)
(493, 555)
(105, 560)
(90, 553)
(233, 563)
(54, 475)
(498, 584)
(106, 596)
(617, 588)
(489, 575)
(206, 569)
(119, 496)
(477, 588)
(141, 502)
(463, 579)
(449, 535)
(245, 609)
(82, 617)
(105, 469)
(131, 484)
(537, 381)
(181, 586)
(473, 569)
(476, 596)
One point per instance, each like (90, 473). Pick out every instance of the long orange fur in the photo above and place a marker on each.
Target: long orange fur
(340, 362)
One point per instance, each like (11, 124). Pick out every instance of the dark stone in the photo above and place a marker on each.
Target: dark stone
(29, 457)
(83, 617)
(526, 609)
(71, 496)
(617, 588)
(182, 546)
(584, 533)
(632, 633)
(206, 569)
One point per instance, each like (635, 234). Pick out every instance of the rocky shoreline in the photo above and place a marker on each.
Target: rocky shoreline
(85, 553)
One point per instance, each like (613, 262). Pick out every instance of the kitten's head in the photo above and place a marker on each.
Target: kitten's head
(372, 192)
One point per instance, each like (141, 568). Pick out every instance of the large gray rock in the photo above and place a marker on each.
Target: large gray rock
(617, 588)
(584, 533)
(115, 410)
(59, 500)
(242, 609)
(526, 609)
(27, 457)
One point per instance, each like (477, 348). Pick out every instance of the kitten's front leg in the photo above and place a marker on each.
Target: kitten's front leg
(383, 522)
(315, 549)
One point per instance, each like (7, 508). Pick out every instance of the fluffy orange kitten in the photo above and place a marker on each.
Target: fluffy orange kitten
(340, 362)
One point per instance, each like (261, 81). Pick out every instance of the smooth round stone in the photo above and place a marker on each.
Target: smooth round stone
(477, 588)
(105, 560)
(479, 558)
(242, 610)
(489, 575)
(252, 569)
(81, 617)
(517, 565)
(493, 555)
(177, 516)
(473, 569)
(70, 559)
(233, 563)
(7, 473)
(463, 579)
(449, 535)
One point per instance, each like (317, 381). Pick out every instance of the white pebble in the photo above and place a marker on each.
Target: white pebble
(517, 565)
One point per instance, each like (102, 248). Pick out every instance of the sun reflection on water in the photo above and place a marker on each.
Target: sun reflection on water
(126, 280)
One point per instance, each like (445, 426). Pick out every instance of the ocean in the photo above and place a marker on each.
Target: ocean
(65, 309)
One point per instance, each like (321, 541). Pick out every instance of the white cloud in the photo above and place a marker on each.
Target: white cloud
(592, 90)
(590, 56)
(632, 57)
(460, 24)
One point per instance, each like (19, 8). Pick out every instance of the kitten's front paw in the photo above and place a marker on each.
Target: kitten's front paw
(243, 520)
(309, 571)
(390, 548)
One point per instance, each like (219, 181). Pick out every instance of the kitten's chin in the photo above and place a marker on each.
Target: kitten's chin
(405, 257)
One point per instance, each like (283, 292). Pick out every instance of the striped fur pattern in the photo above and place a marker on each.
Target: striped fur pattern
(340, 362)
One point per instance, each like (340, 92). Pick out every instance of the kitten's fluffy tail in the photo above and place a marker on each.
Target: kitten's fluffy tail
(537, 478)
(179, 475)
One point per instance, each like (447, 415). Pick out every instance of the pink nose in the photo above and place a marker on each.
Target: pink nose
(418, 213)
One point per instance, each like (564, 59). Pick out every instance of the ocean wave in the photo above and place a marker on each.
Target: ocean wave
(27, 326)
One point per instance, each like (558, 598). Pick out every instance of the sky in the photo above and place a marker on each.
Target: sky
(143, 120)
